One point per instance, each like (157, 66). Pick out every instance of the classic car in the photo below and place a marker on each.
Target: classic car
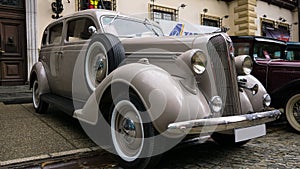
(138, 93)
(277, 67)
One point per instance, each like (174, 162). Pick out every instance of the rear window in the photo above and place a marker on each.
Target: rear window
(55, 34)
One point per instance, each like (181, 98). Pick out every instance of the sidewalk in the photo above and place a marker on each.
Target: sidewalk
(26, 135)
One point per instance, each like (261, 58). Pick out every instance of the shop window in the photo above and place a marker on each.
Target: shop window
(96, 4)
(210, 20)
(162, 13)
(275, 29)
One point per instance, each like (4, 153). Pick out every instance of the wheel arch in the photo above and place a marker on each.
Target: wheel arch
(38, 73)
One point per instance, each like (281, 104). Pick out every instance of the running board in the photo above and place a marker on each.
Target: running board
(64, 104)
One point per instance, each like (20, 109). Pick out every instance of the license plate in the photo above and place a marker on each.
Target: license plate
(248, 133)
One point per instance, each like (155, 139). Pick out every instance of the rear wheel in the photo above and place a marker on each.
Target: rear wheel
(39, 105)
(292, 111)
(227, 140)
(133, 134)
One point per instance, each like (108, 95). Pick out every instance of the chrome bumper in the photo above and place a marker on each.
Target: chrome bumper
(223, 123)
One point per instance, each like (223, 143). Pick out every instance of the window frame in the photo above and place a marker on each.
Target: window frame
(163, 10)
(210, 18)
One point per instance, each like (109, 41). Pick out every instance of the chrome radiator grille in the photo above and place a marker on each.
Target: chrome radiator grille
(221, 61)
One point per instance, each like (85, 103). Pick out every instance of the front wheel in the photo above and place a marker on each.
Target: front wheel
(39, 105)
(292, 111)
(227, 140)
(133, 134)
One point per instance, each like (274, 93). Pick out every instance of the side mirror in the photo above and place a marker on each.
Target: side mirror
(92, 29)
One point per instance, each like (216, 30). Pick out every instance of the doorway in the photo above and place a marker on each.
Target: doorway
(13, 59)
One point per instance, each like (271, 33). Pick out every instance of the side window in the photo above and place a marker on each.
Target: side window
(78, 29)
(55, 34)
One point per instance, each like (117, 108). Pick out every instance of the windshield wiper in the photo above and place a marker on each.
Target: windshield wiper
(114, 18)
(151, 24)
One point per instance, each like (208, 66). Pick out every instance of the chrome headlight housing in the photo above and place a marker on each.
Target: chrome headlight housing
(243, 64)
(266, 100)
(198, 62)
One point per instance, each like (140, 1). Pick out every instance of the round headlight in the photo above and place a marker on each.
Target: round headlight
(266, 100)
(198, 62)
(216, 104)
(247, 65)
(243, 64)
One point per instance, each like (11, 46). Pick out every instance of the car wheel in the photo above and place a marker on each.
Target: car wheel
(292, 111)
(104, 54)
(39, 105)
(227, 140)
(133, 134)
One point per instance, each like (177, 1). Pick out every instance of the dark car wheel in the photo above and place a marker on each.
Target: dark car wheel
(103, 55)
(133, 134)
(227, 140)
(39, 105)
(292, 111)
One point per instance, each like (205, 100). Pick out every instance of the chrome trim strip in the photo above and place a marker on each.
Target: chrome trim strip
(223, 123)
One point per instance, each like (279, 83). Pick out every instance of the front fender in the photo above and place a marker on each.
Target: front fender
(257, 99)
(38, 72)
(164, 98)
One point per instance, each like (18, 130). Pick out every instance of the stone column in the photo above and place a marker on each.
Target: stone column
(246, 17)
(31, 29)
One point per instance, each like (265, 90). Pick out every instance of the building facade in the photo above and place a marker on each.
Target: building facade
(22, 22)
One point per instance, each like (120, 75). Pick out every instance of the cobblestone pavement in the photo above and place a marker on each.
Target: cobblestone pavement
(279, 149)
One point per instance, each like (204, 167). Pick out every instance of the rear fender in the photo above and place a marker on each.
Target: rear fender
(38, 72)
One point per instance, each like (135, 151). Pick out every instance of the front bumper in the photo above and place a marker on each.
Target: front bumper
(210, 125)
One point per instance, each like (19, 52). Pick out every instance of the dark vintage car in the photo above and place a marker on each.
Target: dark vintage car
(277, 66)
(138, 93)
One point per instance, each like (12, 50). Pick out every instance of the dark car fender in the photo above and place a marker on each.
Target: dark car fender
(282, 94)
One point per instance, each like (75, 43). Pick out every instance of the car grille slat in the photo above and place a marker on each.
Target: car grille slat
(223, 65)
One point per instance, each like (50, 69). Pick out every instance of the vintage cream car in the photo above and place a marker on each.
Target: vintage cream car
(139, 93)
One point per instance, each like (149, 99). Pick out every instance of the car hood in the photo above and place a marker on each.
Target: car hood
(162, 44)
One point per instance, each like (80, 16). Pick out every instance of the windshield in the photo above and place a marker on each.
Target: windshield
(125, 27)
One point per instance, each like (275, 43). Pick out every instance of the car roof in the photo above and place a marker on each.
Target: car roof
(258, 38)
(97, 13)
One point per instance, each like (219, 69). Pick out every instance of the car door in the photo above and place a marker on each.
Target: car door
(50, 56)
(76, 40)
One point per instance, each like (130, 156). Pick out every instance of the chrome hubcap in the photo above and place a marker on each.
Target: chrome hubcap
(128, 131)
(100, 69)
